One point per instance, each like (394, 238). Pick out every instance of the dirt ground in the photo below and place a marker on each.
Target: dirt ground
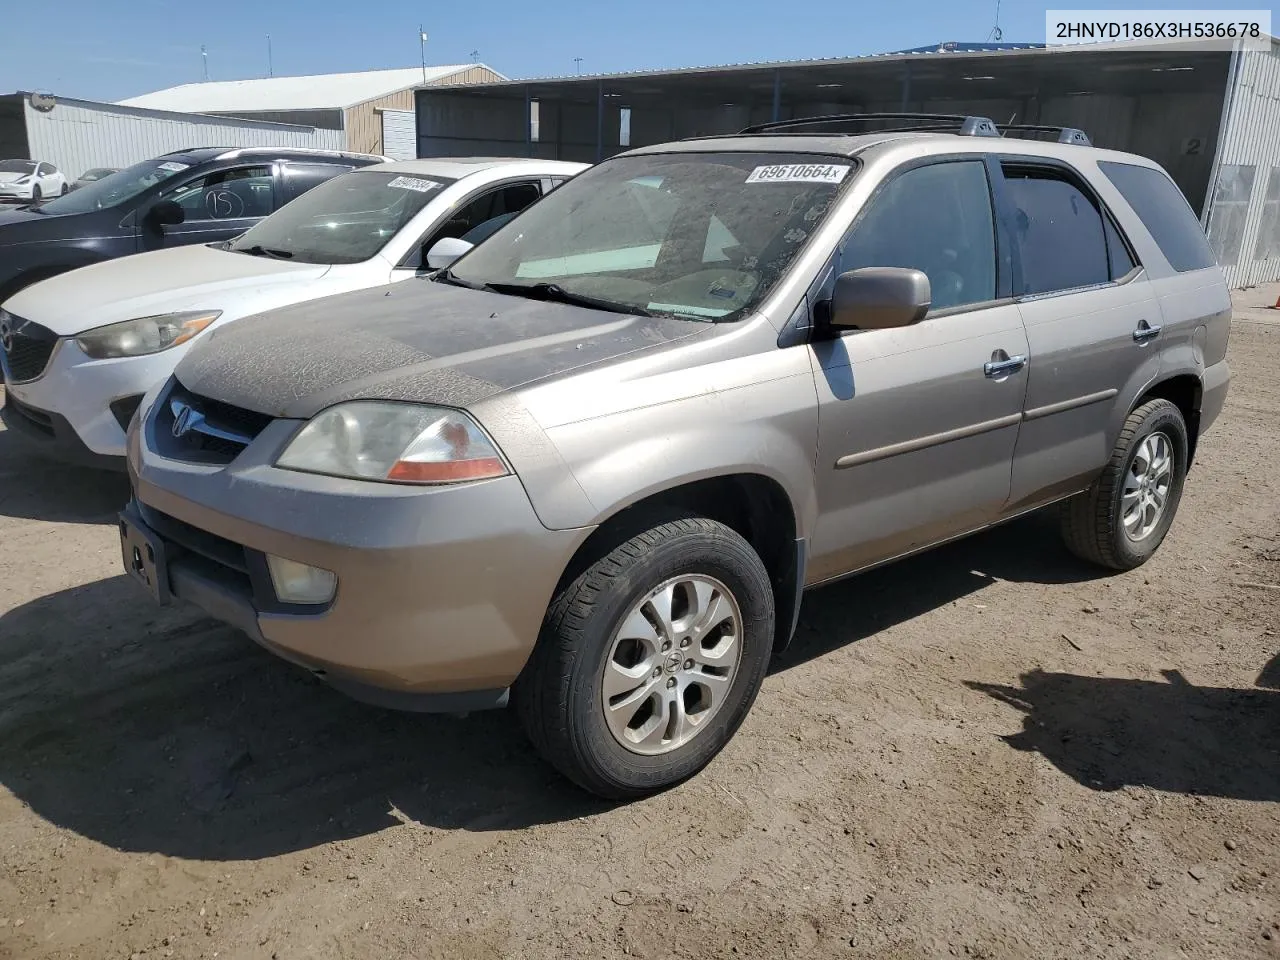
(990, 751)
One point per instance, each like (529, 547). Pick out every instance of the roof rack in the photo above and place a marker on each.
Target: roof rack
(1065, 134)
(965, 126)
(952, 122)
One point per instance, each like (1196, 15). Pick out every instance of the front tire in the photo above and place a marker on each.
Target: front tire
(1123, 518)
(36, 195)
(65, 189)
(650, 659)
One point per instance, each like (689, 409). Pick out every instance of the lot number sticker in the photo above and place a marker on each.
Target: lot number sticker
(414, 183)
(799, 173)
(173, 166)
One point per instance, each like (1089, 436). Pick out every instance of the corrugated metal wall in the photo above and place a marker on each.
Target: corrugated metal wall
(1242, 220)
(77, 135)
(364, 120)
(399, 134)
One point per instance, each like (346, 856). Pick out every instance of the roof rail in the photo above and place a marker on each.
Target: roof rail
(1065, 134)
(950, 122)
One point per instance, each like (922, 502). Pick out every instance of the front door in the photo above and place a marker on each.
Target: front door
(218, 206)
(917, 425)
(1091, 317)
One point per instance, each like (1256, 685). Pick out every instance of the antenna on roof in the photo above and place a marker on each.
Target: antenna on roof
(996, 33)
(271, 70)
(422, 47)
(578, 61)
(204, 60)
(475, 56)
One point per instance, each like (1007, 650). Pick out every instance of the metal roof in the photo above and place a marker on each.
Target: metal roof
(330, 91)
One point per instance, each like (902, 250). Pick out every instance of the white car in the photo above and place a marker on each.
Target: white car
(80, 349)
(30, 180)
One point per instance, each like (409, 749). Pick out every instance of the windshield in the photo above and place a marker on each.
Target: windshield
(344, 220)
(17, 166)
(696, 235)
(116, 188)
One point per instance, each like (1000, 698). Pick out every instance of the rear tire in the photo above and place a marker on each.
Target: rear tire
(649, 660)
(36, 195)
(1123, 518)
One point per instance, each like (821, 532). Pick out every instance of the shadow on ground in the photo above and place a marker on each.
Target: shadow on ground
(1172, 735)
(157, 731)
(1028, 550)
(34, 488)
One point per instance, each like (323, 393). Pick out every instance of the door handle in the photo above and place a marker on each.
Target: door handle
(1145, 332)
(999, 369)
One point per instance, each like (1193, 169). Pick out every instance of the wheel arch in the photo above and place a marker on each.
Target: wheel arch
(754, 505)
(1185, 391)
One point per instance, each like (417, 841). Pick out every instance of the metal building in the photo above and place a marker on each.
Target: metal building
(372, 110)
(76, 135)
(1212, 119)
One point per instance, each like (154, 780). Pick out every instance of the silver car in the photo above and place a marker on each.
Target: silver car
(592, 466)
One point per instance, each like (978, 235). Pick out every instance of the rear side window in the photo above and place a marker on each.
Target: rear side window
(301, 177)
(1165, 213)
(1058, 231)
(1121, 259)
(936, 219)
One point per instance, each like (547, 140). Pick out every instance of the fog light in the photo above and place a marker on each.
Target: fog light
(296, 582)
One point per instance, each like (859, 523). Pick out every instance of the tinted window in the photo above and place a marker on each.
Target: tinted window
(226, 194)
(936, 219)
(118, 187)
(301, 177)
(1121, 260)
(46, 170)
(1165, 213)
(1058, 233)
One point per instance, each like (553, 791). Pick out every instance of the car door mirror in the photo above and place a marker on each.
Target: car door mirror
(876, 298)
(445, 251)
(166, 213)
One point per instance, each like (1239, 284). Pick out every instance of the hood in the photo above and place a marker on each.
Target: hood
(9, 177)
(417, 341)
(182, 278)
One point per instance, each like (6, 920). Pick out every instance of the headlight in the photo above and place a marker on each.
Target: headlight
(136, 338)
(397, 442)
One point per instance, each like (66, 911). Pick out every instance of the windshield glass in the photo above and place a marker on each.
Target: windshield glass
(17, 166)
(116, 188)
(699, 235)
(344, 220)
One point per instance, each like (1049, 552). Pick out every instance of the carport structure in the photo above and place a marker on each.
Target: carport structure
(1191, 110)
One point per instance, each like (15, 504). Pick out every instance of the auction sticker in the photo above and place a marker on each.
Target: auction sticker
(799, 173)
(414, 183)
(173, 166)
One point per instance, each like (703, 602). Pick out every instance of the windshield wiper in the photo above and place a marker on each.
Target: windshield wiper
(446, 276)
(258, 250)
(558, 294)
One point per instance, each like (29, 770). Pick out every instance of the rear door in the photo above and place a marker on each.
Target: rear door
(220, 205)
(1091, 316)
(917, 425)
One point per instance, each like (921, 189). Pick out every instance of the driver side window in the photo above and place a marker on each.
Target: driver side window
(227, 194)
(936, 219)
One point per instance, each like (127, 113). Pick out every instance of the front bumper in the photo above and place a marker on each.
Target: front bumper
(11, 194)
(80, 392)
(441, 590)
(51, 435)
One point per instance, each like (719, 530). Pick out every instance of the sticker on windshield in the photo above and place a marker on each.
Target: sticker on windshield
(414, 183)
(173, 166)
(799, 173)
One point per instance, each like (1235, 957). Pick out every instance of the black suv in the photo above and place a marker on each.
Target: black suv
(190, 196)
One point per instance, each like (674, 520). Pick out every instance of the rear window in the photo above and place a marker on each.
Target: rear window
(1164, 211)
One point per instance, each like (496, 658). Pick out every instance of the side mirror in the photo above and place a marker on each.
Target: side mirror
(166, 213)
(445, 251)
(876, 298)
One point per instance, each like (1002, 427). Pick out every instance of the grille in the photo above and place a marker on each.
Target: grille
(27, 347)
(213, 431)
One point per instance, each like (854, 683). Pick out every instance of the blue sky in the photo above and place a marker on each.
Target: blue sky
(111, 49)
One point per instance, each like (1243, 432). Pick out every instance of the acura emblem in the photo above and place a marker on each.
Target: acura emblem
(185, 418)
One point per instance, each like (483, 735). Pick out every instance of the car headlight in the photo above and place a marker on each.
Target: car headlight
(395, 442)
(136, 338)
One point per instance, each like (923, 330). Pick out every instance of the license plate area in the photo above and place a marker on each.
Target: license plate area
(144, 557)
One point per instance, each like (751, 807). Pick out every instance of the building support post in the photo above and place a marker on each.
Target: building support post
(599, 120)
(906, 89)
(777, 95)
(528, 123)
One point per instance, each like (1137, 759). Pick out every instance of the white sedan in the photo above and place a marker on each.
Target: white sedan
(80, 349)
(30, 180)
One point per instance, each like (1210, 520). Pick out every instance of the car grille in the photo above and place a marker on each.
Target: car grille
(203, 430)
(27, 347)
